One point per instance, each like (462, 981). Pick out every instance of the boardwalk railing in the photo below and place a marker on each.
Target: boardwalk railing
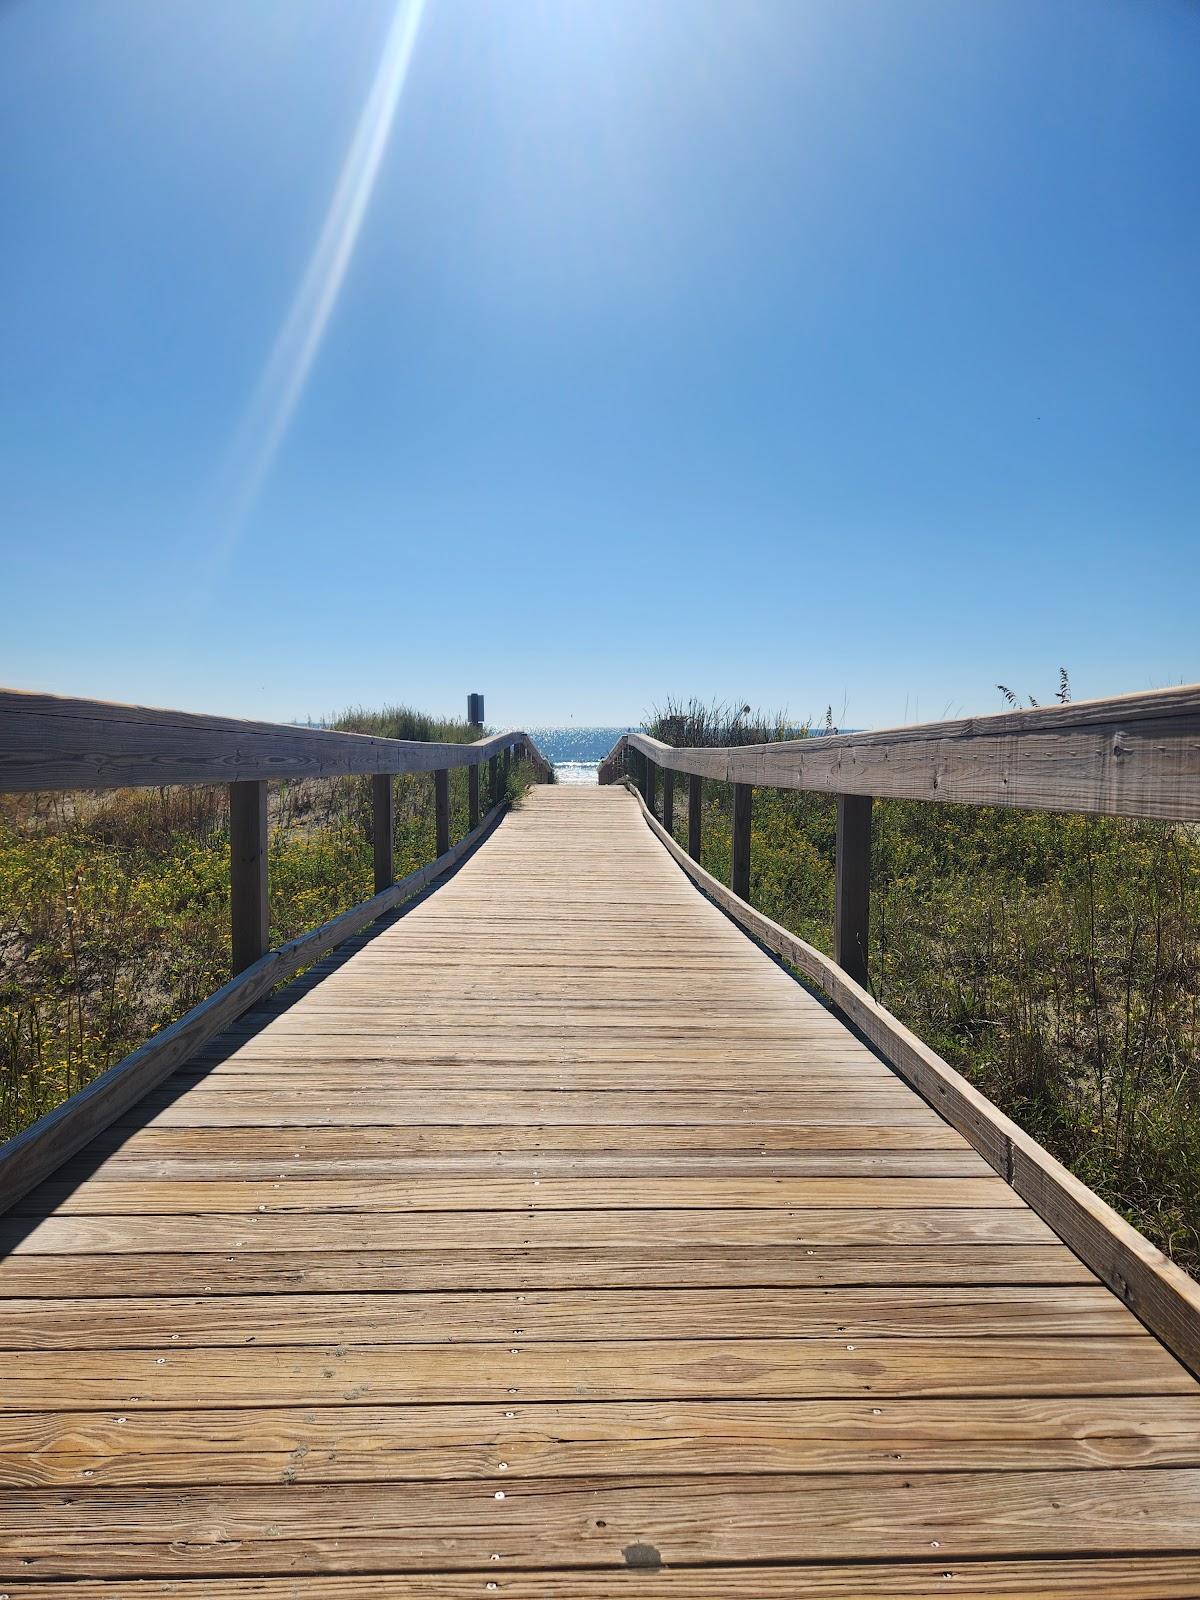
(52, 743)
(1132, 756)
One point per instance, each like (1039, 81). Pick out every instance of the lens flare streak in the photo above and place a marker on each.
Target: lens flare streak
(282, 383)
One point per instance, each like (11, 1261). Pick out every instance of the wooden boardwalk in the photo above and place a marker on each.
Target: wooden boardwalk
(555, 1243)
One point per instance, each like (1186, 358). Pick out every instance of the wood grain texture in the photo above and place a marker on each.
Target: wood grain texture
(556, 1239)
(1133, 755)
(532, 1523)
(52, 742)
(1147, 1577)
(407, 1443)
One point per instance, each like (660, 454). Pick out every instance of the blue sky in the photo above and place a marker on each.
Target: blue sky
(794, 351)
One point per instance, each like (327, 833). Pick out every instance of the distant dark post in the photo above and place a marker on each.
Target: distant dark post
(441, 808)
(669, 799)
(383, 827)
(475, 710)
(248, 871)
(852, 891)
(473, 795)
(649, 783)
(743, 804)
(694, 796)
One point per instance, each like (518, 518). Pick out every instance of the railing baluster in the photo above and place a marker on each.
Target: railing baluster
(473, 795)
(441, 807)
(852, 890)
(743, 805)
(649, 783)
(493, 780)
(695, 793)
(669, 799)
(248, 872)
(383, 827)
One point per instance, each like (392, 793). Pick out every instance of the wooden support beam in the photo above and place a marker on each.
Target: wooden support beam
(743, 803)
(441, 806)
(852, 892)
(695, 797)
(649, 782)
(494, 780)
(668, 800)
(383, 827)
(473, 796)
(248, 872)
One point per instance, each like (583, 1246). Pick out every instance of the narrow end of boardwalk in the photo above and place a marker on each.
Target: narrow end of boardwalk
(553, 1241)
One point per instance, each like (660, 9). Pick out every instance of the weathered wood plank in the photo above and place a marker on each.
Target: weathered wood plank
(52, 742)
(406, 1443)
(1133, 755)
(175, 1375)
(221, 1232)
(587, 1523)
(485, 1317)
(273, 1196)
(1147, 1577)
(474, 1267)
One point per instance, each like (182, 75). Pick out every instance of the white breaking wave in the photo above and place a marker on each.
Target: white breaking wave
(577, 771)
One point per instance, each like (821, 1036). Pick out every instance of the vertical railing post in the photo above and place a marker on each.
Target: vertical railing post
(493, 781)
(649, 783)
(505, 764)
(852, 885)
(441, 809)
(383, 828)
(248, 872)
(669, 799)
(694, 797)
(473, 795)
(743, 804)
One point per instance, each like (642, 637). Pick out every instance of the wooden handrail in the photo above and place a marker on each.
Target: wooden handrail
(1135, 755)
(49, 742)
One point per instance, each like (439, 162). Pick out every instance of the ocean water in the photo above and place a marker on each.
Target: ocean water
(576, 752)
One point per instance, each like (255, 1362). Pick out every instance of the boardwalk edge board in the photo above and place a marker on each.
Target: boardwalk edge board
(37, 1151)
(1158, 1292)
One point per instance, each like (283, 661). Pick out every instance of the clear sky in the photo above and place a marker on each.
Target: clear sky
(587, 351)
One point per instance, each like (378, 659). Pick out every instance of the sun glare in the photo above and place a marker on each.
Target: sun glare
(283, 379)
